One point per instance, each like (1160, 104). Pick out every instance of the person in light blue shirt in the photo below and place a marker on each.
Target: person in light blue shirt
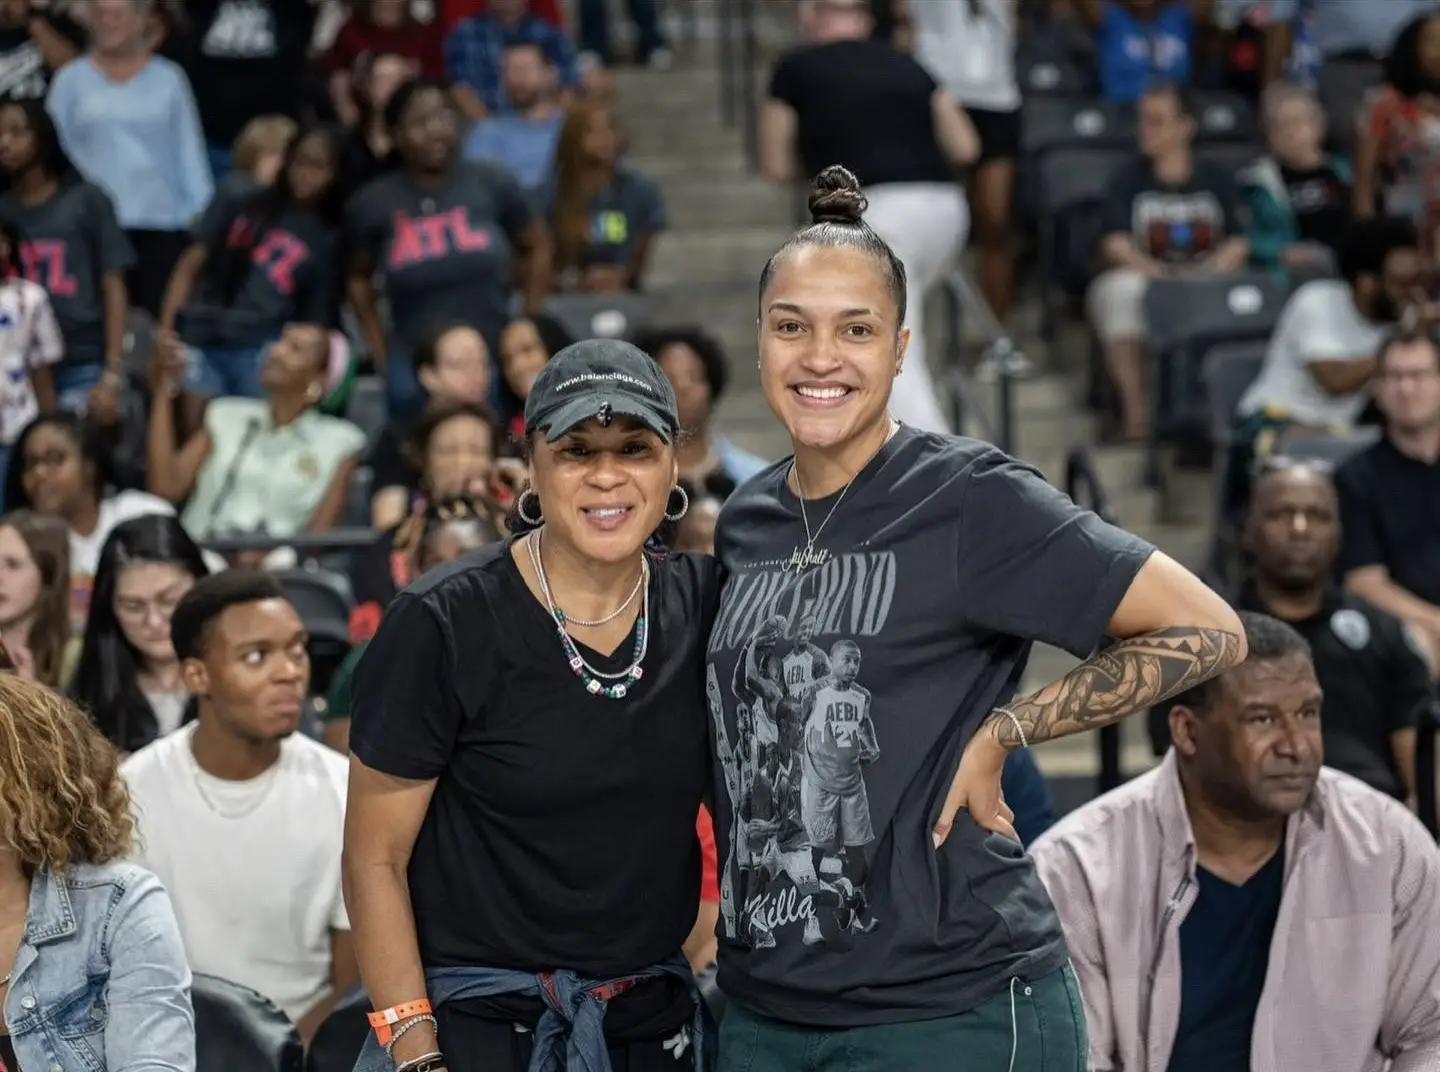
(128, 121)
(523, 141)
(1141, 42)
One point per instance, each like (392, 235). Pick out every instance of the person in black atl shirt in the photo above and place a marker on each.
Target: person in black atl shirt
(530, 746)
(882, 590)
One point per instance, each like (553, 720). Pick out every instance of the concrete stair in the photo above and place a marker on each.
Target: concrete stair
(725, 221)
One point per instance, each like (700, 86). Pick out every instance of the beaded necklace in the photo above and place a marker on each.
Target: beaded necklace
(597, 682)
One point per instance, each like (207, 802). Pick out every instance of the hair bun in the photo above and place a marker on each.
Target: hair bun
(835, 197)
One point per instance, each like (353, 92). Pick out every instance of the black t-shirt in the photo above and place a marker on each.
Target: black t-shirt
(387, 457)
(1224, 957)
(1321, 201)
(7, 1055)
(68, 244)
(1375, 684)
(864, 105)
(292, 274)
(562, 829)
(444, 251)
(1173, 222)
(245, 58)
(23, 73)
(1390, 514)
(844, 695)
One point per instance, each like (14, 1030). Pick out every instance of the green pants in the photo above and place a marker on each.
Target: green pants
(1031, 1027)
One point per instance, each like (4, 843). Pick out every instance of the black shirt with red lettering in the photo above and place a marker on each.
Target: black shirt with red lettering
(444, 251)
(288, 275)
(68, 244)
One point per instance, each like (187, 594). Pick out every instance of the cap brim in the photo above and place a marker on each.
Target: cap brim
(573, 414)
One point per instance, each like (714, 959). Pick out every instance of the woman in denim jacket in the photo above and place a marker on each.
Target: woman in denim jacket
(92, 971)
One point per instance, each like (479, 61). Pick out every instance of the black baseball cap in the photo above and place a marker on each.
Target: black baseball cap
(600, 379)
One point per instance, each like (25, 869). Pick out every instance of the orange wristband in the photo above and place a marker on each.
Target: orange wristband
(384, 1020)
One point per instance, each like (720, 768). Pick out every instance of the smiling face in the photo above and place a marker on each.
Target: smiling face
(830, 346)
(603, 491)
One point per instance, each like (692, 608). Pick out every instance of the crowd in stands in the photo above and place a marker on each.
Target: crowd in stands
(272, 270)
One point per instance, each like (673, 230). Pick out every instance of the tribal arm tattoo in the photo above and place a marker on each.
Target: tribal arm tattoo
(1127, 677)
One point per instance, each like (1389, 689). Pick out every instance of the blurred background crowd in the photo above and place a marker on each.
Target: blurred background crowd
(278, 276)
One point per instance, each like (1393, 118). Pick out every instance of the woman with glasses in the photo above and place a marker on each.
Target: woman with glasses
(128, 678)
(441, 236)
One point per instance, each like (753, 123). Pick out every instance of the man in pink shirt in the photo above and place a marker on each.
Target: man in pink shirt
(1242, 907)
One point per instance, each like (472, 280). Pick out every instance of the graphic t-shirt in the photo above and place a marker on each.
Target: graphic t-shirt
(23, 73)
(68, 244)
(1135, 53)
(291, 276)
(1320, 199)
(246, 58)
(626, 211)
(444, 251)
(29, 339)
(569, 818)
(1175, 223)
(941, 565)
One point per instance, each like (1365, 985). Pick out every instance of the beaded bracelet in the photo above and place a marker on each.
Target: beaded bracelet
(430, 1062)
(406, 1026)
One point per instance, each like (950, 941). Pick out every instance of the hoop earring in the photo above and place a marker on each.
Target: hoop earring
(684, 504)
(539, 518)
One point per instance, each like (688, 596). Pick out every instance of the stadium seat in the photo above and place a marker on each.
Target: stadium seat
(1342, 87)
(1185, 319)
(1049, 124)
(339, 1038)
(1331, 449)
(323, 599)
(1056, 59)
(368, 408)
(1073, 183)
(239, 1030)
(1227, 371)
(1224, 117)
(357, 500)
(1233, 156)
(600, 316)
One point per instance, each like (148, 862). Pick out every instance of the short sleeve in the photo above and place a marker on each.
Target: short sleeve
(116, 253)
(1227, 190)
(1117, 210)
(364, 226)
(514, 211)
(212, 225)
(784, 82)
(1319, 326)
(649, 206)
(1410, 692)
(1361, 542)
(405, 715)
(1032, 564)
(387, 459)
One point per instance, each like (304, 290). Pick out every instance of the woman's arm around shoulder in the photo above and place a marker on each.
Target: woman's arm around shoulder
(151, 1025)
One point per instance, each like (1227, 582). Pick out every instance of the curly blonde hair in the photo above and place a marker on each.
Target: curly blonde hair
(62, 800)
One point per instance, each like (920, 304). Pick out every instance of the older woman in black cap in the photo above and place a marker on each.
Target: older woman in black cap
(529, 751)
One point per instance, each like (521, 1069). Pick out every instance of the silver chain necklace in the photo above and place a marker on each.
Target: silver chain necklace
(578, 662)
(802, 558)
(544, 587)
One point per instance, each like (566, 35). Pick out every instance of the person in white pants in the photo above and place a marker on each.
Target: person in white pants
(926, 224)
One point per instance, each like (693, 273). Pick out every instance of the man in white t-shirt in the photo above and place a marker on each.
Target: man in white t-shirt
(1321, 358)
(241, 817)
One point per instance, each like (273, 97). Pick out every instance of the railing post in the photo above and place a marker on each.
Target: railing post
(728, 75)
(749, 108)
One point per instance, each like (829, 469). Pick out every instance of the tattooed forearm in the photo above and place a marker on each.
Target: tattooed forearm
(1127, 677)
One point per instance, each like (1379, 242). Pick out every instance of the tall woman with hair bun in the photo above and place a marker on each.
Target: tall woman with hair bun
(93, 976)
(883, 587)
